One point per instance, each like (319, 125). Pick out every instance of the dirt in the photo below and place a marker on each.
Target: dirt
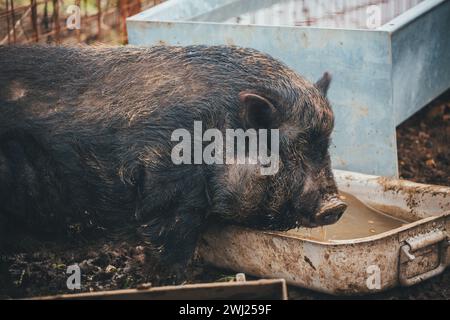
(39, 268)
(42, 271)
(423, 144)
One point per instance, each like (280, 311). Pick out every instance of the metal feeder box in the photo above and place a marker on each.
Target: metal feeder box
(404, 256)
(389, 58)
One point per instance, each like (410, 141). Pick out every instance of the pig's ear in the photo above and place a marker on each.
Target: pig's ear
(324, 83)
(257, 111)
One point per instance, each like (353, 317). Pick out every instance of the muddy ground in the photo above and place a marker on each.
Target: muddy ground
(40, 268)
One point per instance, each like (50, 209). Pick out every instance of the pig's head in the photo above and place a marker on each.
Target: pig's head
(302, 192)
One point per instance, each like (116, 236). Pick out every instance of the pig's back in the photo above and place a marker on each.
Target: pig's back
(91, 114)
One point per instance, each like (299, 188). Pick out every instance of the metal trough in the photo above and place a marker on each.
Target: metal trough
(405, 256)
(382, 74)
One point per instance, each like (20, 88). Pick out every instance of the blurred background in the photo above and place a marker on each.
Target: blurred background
(45, 21)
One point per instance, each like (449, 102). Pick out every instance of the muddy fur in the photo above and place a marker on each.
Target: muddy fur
(85, 140)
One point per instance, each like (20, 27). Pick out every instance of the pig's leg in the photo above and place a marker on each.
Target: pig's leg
(172, 241)
(174, 237)
(171, 220)
(5, 180)
(14, 187)
(29, 187)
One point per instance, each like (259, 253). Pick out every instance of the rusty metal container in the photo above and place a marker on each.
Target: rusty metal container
(403, 256)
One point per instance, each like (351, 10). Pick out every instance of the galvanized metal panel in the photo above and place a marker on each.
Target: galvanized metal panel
(420, 56)
(359, 97)
(179, 9)
(203, 10)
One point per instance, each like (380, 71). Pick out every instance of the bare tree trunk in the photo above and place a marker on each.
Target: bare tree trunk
(56, 20)
(34, 20)
(13, 21)
(99, 19)
(7, 21)
(78, 31)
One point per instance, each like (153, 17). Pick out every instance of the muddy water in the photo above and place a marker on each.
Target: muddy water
(358, 221)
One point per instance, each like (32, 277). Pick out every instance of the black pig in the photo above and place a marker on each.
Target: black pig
(85, 137)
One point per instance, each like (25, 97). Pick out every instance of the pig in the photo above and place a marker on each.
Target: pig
(85, 138)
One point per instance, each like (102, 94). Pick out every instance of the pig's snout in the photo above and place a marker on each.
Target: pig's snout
(330, 211)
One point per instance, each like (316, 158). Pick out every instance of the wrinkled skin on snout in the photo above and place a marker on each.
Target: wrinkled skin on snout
(85, 139)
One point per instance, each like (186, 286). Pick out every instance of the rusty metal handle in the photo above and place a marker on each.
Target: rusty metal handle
(422, 241)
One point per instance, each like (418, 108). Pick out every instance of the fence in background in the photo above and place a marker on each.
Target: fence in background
(45, 21)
